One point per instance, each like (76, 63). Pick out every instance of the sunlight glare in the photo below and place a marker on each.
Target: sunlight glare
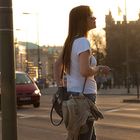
(48, 20)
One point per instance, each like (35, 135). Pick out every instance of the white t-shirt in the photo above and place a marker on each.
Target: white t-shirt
(75, 81)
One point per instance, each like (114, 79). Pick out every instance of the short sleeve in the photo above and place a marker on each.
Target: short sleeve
(82, 45)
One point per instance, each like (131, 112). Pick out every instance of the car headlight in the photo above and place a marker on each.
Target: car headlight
(37, 92)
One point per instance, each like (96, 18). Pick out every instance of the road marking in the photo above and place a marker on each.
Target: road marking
(46, 116)
(23, 116)
(112, 110)
(130, 109)
(20, 115)
(118, 109)
(124, 115)
(119, 125)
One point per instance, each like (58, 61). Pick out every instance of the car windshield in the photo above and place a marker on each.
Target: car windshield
(22, 78)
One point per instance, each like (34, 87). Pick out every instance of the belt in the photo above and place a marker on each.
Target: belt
(74, 93)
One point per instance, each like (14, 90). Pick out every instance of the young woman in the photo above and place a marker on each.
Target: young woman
(78, 63)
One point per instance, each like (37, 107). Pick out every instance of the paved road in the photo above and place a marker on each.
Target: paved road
(121, 122)
(121, 119)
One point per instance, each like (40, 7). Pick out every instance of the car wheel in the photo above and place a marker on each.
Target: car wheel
(36, 105)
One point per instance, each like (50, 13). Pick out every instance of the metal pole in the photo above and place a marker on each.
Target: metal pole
(27, 59)
(39, 63)
(127, 52)
(38, 49)
(137, 84)
(27, 51)
(9, 118)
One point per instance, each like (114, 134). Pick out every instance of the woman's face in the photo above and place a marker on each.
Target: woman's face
(91, 21)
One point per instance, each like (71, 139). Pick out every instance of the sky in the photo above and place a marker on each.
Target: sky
(46, 21)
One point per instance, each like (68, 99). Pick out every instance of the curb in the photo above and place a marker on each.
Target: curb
(131, 100)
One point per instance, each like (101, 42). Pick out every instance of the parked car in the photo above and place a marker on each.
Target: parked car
(27, 92)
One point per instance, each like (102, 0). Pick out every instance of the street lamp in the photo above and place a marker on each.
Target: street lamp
(19, 51)
(38, 50)
(38, 47)
(127, 51)
(26, 61)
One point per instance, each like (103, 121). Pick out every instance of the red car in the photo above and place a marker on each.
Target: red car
(26, 90)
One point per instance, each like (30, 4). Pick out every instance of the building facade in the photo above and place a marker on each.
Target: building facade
(123, 49)
(27, 59)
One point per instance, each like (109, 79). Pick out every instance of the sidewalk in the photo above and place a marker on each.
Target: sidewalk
(122, 91)
(119, 91)
(113, 91)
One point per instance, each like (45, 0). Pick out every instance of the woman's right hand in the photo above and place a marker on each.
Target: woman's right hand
(104, 69)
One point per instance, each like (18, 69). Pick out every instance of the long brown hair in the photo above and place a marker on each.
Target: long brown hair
(77, 28)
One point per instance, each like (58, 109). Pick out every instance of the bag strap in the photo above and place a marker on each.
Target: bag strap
(51, 112)
(84, 85)
(51, 117)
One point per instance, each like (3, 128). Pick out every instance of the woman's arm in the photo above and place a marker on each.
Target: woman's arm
(85, 69)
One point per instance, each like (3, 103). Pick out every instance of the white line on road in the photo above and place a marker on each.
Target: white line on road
(112, 110)
(21, 116)
(118, 109)
(124, 115)
(118, 125)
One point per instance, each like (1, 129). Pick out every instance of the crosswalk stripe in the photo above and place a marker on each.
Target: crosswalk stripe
(118, 125)
(47, 116)
(123, 114)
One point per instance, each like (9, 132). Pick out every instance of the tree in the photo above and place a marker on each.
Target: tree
(98, 44)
